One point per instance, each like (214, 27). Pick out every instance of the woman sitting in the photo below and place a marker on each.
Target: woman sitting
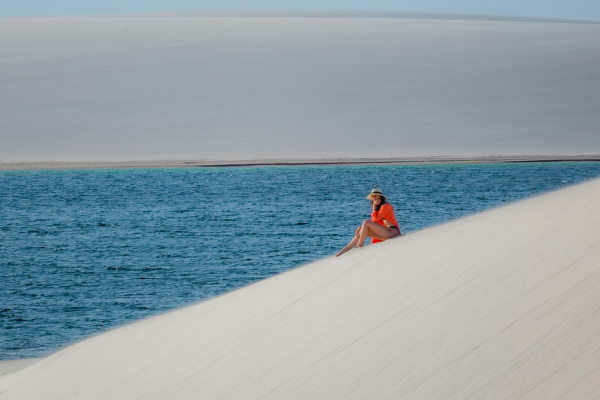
(382, 226)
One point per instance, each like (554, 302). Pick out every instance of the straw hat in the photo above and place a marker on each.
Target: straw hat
(375, 192)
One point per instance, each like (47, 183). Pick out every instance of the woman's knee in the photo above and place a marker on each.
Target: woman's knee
(366, 223)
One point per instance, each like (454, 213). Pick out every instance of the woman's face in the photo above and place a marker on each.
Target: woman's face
(376, 199)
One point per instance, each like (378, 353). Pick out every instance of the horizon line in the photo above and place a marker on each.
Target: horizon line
(373, 14)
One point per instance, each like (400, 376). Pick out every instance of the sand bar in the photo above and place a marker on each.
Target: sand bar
(295, 162)
(501, 304)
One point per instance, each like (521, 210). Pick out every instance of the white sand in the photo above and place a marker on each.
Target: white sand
(8, 367)
(503, 304)
(173, 88)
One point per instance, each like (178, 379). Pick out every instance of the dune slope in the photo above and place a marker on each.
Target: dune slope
(503, 304)
(131, 88)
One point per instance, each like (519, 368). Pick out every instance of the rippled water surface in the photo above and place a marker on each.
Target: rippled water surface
(83, 251)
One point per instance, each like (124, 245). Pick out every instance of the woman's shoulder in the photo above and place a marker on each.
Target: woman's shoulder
(387, 206)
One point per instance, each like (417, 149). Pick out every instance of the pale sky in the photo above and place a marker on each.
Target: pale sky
(573, 9)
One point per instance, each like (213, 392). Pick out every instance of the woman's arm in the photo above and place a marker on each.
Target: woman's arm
(382, 213)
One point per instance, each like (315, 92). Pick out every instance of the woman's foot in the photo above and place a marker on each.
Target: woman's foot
(342, 251)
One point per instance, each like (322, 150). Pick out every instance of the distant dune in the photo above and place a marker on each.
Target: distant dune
(503, 304)
(230, 87)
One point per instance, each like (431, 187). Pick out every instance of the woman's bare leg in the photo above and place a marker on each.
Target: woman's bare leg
(349, 246)
(375, 230)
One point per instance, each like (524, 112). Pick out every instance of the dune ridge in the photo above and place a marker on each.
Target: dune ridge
(502, 304)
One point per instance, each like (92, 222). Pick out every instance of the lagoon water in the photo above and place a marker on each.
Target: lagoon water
(82, 251)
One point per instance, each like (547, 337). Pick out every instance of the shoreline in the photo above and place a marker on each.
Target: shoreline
(10, 366)
(292, 162)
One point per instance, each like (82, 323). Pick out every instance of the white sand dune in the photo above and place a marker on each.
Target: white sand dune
(192, 87)
(503, 304)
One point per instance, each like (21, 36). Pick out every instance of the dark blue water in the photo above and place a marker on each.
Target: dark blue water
(84, 251)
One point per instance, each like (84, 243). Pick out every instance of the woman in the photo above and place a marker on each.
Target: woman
(382, 226)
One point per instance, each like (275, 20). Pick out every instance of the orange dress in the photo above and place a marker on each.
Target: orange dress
(385, 212)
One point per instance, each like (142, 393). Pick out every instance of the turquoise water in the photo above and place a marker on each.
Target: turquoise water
(84, 251)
